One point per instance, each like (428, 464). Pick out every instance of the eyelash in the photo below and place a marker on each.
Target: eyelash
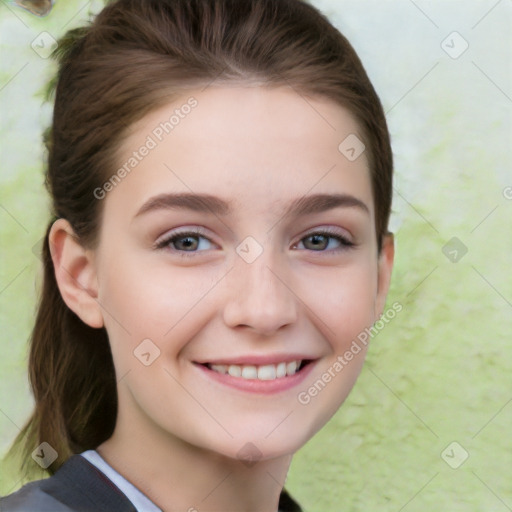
(345, 243)
(163, 244)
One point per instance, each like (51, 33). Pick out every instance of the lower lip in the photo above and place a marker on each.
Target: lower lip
(262, 387)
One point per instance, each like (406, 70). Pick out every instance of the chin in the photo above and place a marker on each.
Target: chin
(252, 446)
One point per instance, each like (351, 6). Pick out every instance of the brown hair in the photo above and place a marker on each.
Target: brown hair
(134, 57)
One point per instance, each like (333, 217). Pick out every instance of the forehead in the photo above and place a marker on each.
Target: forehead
(256, 146)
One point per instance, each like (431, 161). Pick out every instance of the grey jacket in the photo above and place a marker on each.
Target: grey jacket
(78, 486)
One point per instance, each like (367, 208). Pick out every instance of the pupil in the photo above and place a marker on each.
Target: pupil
(318, 240)
(188, 242)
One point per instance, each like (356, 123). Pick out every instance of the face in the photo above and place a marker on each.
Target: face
(237, 263)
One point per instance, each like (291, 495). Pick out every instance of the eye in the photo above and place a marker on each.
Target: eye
(325, 241)
(185, 242)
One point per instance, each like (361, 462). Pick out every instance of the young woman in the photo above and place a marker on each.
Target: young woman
(221, 177)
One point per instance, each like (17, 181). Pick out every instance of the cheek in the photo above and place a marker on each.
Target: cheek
(144, 301)
(342, 301)
(345, 309)
(346, 312)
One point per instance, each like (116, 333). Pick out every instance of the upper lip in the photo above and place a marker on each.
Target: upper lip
(258, 360)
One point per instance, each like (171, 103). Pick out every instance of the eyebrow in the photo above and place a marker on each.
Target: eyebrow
(206, 203)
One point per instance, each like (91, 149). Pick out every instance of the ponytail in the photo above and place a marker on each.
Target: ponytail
(72, 377)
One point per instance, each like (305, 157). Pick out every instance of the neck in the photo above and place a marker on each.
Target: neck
(178, 476)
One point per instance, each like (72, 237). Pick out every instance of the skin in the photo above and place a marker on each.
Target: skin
(179, 433)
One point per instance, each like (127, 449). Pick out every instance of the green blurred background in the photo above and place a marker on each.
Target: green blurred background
(441, 371)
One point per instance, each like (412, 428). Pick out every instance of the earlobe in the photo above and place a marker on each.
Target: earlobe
(385, 268)
(75, 273)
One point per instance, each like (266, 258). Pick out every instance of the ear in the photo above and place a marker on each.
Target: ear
(385, 267)
(75, 273)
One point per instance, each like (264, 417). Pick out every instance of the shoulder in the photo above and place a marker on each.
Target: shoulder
(287, 503)
(30, 498)
(79, 487)
(76, 487)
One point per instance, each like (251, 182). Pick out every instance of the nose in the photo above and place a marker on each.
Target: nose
(259, 297)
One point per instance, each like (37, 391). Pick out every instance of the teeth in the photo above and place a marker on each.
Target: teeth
(219, 368)
(291, 367)
(234, 371)
(251, 372)
(267, 372)
(281, 370)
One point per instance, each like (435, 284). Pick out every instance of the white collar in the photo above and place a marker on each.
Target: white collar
(139, 500)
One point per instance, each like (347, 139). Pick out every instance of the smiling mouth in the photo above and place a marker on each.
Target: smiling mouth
(262, 372)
